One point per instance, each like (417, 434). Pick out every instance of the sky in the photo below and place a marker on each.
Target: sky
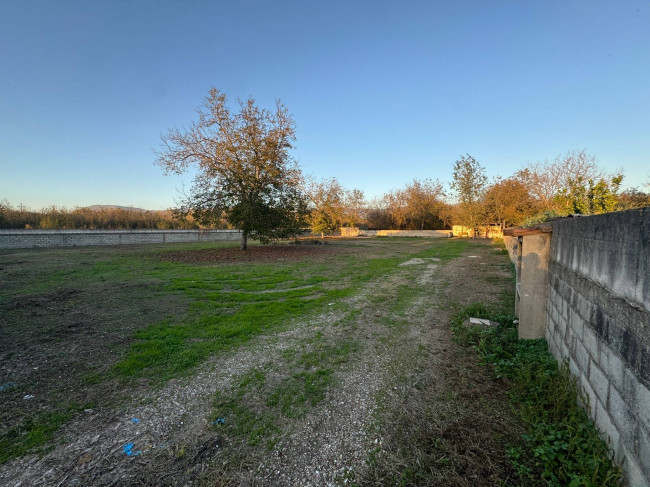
(381, 91)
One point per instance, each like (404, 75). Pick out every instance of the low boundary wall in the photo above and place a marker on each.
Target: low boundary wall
(599, 319)
(584, 284)
(17, 239)
(409, 233)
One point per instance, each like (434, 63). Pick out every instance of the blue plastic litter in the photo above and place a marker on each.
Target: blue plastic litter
(128, 450)
(8, 385)
(219, 421)
(135, 420)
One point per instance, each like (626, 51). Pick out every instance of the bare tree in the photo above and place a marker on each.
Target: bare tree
(548, 180)
(245, 172)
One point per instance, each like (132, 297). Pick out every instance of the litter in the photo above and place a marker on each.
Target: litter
(480, 322)
(8, 385)
(128, 450)
(28, 397)
(219, 421)
(135, 420)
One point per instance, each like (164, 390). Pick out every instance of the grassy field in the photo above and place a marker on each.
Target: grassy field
(76, 320)
(231, 368)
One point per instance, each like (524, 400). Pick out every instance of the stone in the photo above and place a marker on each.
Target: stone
(480, 322)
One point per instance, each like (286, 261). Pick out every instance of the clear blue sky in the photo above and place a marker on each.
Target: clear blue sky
(381, 92)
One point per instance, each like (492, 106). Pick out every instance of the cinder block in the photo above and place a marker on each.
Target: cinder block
(613, 366)
(590, 341)
(607, 428)
(599, 382)
(583, 307)
(578, 326)
(561, 328)
(582, 357)
(643, 402)
(570, 340)
(589, 395)
(575, 370)
(564, 351)
(644, 451)
(619, 411)
(634, 475)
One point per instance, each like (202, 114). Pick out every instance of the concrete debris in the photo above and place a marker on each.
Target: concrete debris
(480, 322)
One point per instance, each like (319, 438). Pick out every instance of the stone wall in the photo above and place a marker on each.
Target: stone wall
(357, 232)
(408, 233)
(598, 318)
(14, 239)
(483, 231)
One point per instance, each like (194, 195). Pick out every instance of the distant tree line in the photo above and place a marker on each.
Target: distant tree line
(572, 183)
(246, 178)
(90, 218)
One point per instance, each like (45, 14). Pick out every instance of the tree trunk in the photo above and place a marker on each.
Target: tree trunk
(244, 240)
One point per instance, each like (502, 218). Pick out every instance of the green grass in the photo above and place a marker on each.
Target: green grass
(297, 393)
(562, 446)
(253, 409)
(33, 433)
(231, 304)
(160, 319)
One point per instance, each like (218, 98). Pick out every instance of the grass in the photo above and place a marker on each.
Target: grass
(34, 432)
(152, 319)
(561, 446)
(231, 305)
(254, 409)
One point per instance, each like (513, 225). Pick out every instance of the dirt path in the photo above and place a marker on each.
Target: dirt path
(356, 365)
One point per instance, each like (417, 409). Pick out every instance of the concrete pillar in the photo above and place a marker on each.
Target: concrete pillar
(517, 274)
(533, 286)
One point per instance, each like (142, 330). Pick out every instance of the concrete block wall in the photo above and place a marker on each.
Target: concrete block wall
(598, 318)
(414, 233)
(15, 239)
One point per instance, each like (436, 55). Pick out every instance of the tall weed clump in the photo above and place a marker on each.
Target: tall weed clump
(562, 446)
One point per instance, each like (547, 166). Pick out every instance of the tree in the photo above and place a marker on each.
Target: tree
(377, 216)
(245, 172)
(424, 202)
(397, 208)
(327, 211)
(633, 198)
(547, 181)
(468, 183)
(333, 206)
(354, 205)
(589, 197)
(508, 202)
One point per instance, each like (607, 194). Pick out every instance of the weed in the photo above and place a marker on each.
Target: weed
(562, 445)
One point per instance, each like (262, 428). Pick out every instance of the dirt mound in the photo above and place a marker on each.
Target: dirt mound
(253, 254)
